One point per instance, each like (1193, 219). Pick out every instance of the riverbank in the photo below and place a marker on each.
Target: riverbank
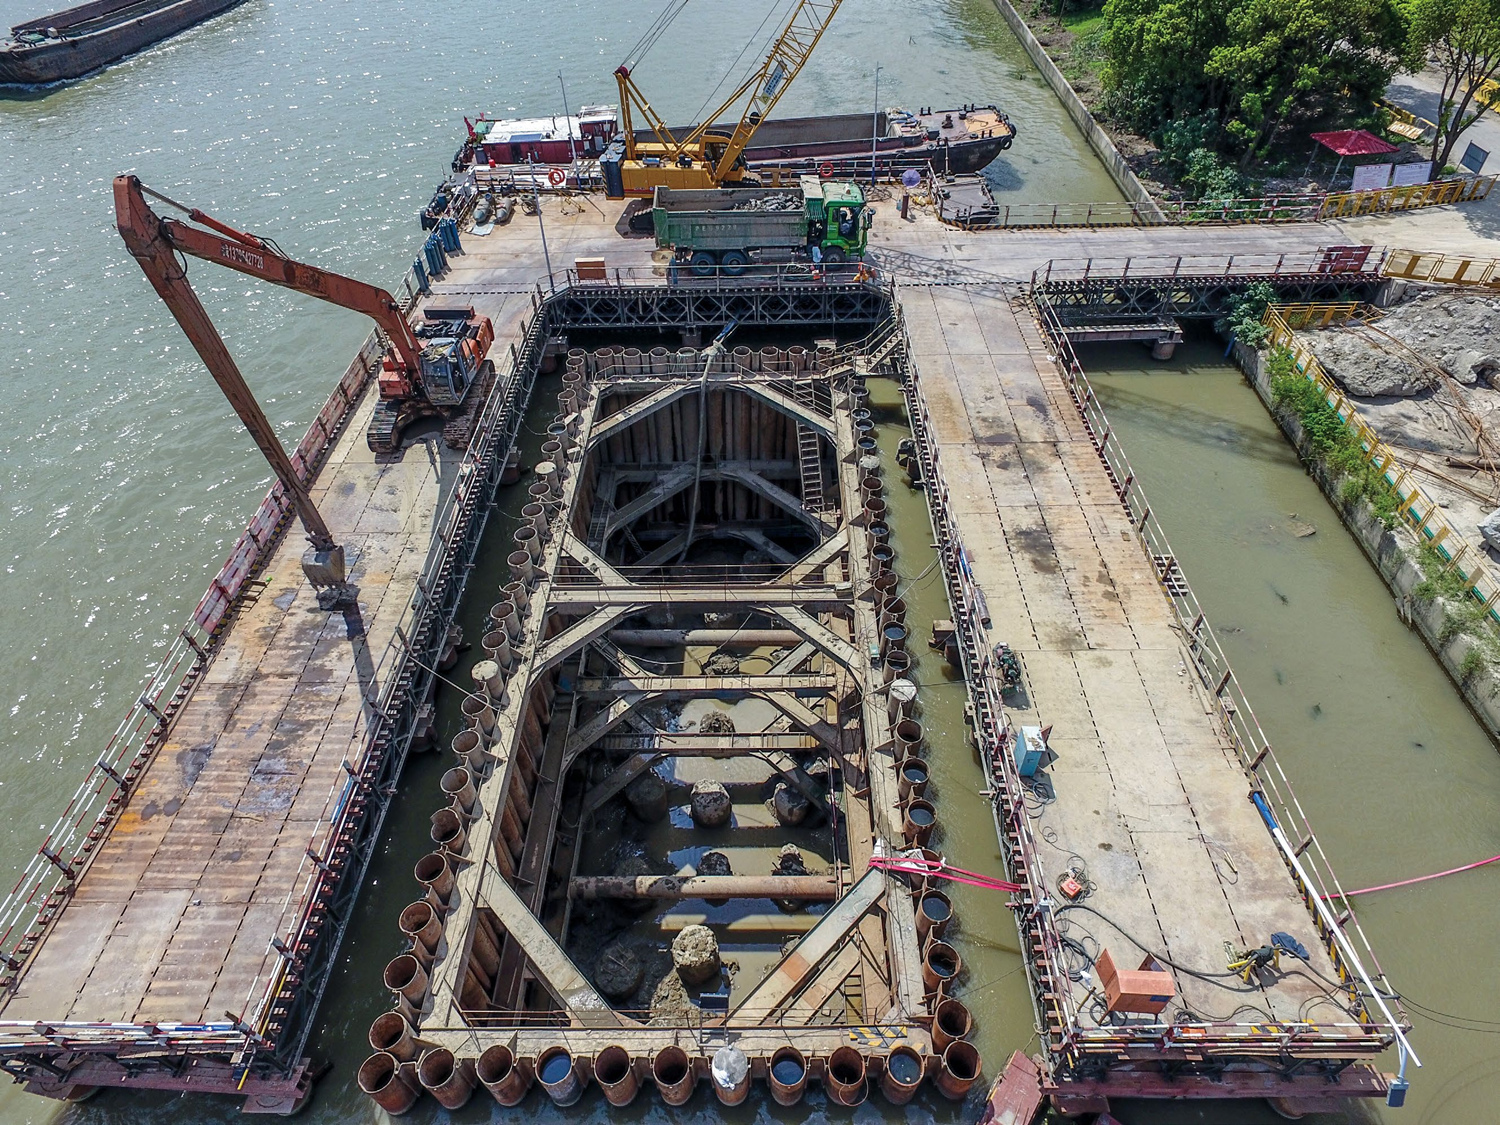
(1440, 612)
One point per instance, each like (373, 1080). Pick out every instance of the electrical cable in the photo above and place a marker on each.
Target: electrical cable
(1211, 977)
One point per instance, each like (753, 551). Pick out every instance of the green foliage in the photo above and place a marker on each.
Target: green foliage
(1334, 444)
(1244, 312)
(1251, 68)
(1472, 664)
(1463, 38)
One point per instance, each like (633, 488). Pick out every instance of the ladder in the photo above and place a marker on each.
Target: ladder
(809, 450)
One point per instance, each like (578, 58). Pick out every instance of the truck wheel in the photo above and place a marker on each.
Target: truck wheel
(835, 256)
(703, 263)
(734, 262)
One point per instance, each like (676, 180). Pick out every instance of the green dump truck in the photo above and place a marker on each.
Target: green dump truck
(728, 230)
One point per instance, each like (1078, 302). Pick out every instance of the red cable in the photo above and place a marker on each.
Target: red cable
(921, 866)
(1418, 879)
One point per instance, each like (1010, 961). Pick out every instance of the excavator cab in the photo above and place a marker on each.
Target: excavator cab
(454, 342)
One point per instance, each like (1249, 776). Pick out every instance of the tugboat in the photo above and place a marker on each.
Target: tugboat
(78, 41)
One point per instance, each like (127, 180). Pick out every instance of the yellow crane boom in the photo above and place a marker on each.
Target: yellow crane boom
(702, 158)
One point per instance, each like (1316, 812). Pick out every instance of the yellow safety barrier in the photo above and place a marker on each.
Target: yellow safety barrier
(1418, 511)
(1347, 204)
(1442, 269)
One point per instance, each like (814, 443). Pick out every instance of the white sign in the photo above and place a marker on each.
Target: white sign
(1372, 177)
(1407, 175)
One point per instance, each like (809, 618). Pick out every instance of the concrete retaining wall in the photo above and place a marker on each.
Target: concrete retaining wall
(1394, 555)
(1114, 163)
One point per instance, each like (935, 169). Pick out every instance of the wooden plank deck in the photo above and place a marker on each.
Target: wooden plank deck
(1146, 790)
(174, 917)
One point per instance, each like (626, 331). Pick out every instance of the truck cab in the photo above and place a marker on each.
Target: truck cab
(838, 219)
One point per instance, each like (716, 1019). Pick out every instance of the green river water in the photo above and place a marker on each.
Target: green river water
(326, 123)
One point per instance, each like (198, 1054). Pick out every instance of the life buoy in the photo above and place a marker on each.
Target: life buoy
(557, 177)
(826, 170)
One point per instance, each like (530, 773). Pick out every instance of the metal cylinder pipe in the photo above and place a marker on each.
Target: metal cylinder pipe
(448, 831)
(381, 1079)
(940, 964)
(958, 1070)
(845, 1076)
(499, 1073)
(422, 927)
(615, 1072)
(951, 1023)
(787, 1075)
(902, 1076)
(405, 977)
(392, 1034)
(559, 1075)
(672, 1071)
(435, 874)
(814, 888)
(446, 1078)
(458, 786)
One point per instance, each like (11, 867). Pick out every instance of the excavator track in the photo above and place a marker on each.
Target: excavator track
(384, 433)
(458, 431)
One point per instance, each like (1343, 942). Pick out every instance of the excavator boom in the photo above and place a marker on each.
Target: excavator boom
(255, 256)
(153, 249)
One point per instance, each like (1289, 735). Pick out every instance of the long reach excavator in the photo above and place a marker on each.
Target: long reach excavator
(429, 369)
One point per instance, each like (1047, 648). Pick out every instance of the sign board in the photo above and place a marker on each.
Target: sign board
(1371, 177)
(1407, 175)
(1474, 157)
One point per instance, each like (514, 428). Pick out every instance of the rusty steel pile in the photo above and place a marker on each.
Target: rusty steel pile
(691, 504)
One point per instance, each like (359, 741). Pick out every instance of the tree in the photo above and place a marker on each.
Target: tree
(1156, 53)
(1253, 67)
(1302, 59)
(1463, 38)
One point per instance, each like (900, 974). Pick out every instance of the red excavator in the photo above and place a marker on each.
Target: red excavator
(429, 369)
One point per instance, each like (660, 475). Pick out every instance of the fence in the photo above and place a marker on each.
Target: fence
(1293, 208)
(1418, 511)
(49, 879)
(1322, 261)
(1443, 269)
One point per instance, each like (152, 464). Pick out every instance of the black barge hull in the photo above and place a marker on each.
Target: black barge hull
(94, 35)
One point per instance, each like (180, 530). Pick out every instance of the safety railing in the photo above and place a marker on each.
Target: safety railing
(1291, 208)
(1326, 260)
(1349, 204)
(1306, 859)
(1443, 269)
(48, 880)
(1418, 511)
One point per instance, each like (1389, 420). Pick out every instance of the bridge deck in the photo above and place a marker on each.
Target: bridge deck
(1146, 790)
(172, 921)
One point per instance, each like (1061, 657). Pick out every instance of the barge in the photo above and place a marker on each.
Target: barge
(78, 41)
(952, 141)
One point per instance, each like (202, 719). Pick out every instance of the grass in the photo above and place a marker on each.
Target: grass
(1334, 444)
(1085, 22)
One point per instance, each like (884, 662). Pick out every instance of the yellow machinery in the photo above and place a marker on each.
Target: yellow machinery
(703, 159)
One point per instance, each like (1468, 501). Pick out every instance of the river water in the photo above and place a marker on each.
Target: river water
(324, 123)
(1396, 775)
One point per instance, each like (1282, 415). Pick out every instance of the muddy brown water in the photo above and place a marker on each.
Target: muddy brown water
(1396, 775)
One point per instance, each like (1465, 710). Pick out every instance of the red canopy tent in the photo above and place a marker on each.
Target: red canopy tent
(1352, 142)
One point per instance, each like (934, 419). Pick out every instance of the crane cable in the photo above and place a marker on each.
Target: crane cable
(730, 69)
(653, 33)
